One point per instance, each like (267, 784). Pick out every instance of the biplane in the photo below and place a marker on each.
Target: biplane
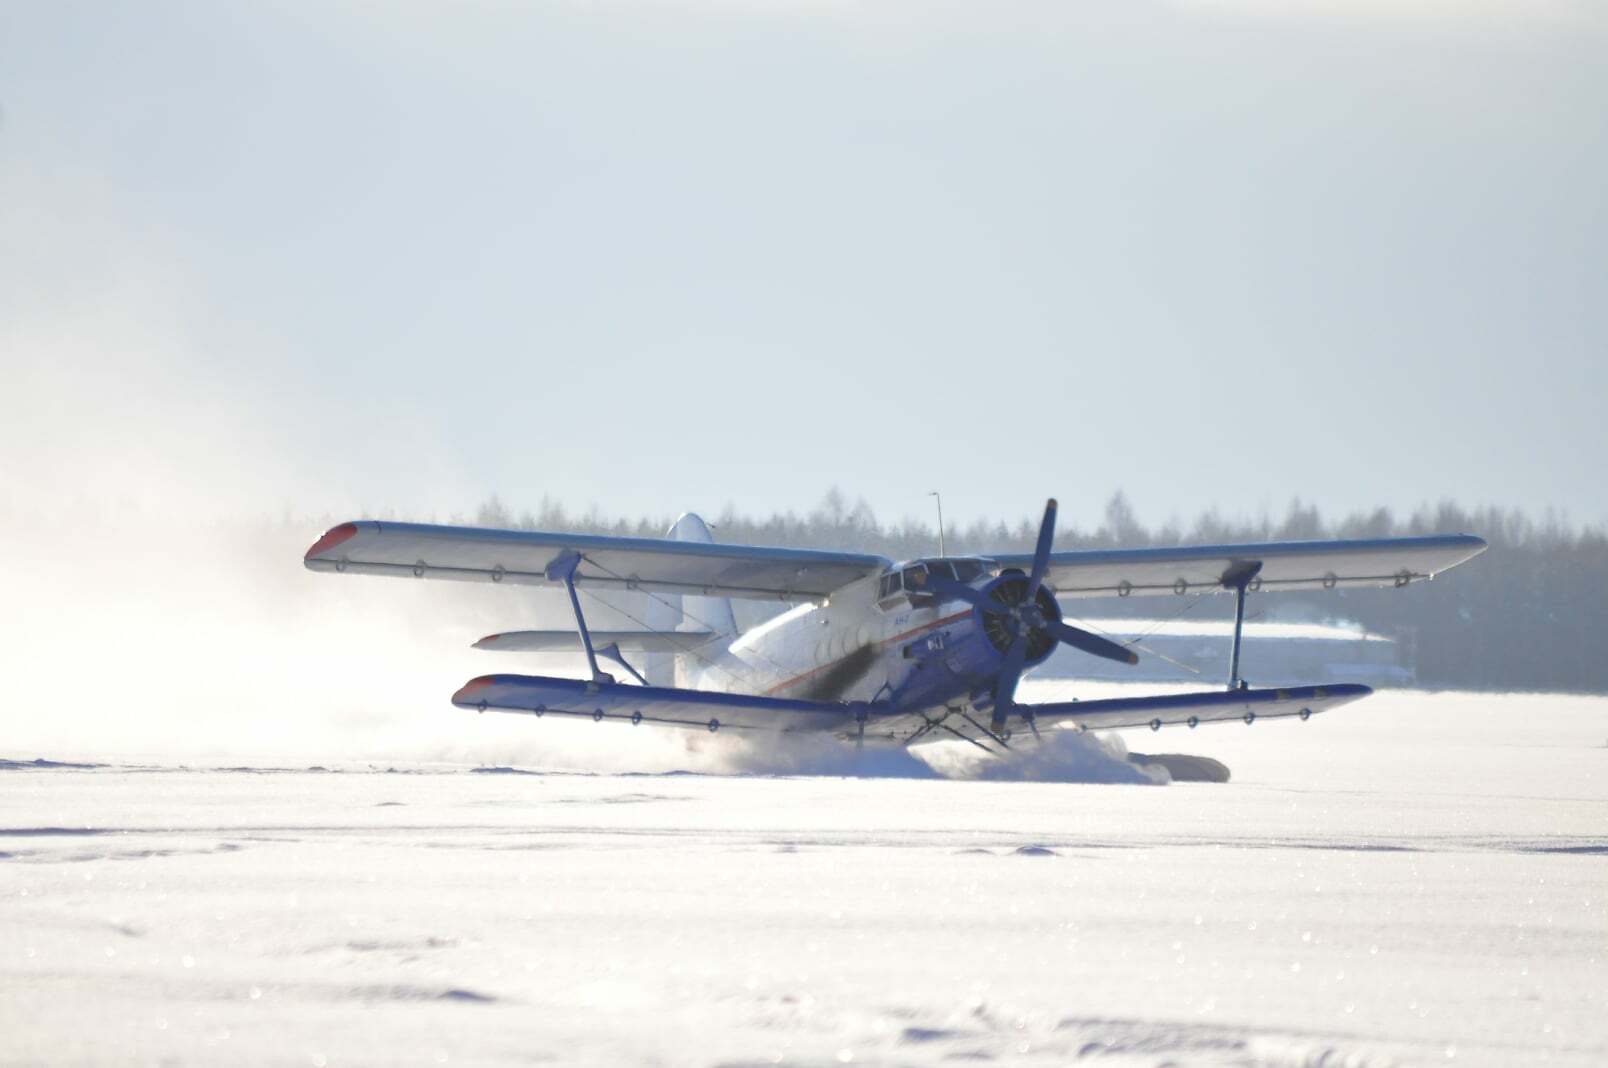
(871, 651)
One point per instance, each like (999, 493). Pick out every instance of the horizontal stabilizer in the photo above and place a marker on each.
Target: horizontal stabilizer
(1194, 708)
(569, 641)
(540, 695)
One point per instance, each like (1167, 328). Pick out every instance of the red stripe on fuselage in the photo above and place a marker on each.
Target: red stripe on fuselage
(795, 680)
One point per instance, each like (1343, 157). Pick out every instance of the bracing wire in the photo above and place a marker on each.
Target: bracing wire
(1138, 642)
(690, 650)
(782, 669)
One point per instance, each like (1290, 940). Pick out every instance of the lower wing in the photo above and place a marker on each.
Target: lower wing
(1196, 708)
(705, 710)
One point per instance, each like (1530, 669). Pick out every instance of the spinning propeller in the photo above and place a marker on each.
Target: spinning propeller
(1022, 620)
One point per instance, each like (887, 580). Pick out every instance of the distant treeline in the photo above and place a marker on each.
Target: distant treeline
(1529, 614)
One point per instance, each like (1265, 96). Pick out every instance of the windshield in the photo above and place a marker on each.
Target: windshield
(968, 570)
(912, 578)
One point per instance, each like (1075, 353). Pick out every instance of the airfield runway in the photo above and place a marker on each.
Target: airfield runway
(1419, 879)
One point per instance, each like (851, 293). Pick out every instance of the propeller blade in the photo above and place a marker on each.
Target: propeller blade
(1091, 643)
(1005, 685)
(1030, 617)
(1041, 552)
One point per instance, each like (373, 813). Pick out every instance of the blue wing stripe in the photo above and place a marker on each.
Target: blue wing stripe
(1286, 565)
(585, 543)
(522, 557)
(539, 694)
(1207, 707)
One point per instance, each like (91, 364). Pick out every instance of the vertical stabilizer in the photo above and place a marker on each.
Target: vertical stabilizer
(667, 611)
(704, 613)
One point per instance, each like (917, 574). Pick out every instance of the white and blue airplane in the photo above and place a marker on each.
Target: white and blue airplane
(873, 651)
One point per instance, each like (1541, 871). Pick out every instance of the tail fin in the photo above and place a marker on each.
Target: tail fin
(707, 613)
(665, 612)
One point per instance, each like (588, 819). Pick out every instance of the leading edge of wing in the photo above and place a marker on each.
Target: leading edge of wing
(1285, 565)
(707, 710)
(521, 557)
(1194, 708)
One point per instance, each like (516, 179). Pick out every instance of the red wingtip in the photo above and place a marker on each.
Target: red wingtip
(467, 693)
(332, 537)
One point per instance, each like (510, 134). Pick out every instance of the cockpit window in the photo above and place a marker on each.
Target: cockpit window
(968, 570)
(912, 579)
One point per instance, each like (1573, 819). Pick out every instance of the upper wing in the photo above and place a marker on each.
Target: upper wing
(367, 547)
(539, 695)
(1285, 565)
(1195, 708)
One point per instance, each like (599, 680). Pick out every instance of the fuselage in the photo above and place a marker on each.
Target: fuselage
(877, 640)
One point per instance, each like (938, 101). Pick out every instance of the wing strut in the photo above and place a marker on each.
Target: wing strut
(562, 569)
(612, 651)
(1237, 578)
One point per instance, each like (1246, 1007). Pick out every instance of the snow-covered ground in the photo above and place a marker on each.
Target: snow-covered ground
(1418, 879)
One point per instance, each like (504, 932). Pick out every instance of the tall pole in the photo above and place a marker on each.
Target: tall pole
(939, 498)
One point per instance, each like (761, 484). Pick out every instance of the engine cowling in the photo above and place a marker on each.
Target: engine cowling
(1009, 591)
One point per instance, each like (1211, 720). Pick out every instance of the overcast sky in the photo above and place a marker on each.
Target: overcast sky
(652, 257)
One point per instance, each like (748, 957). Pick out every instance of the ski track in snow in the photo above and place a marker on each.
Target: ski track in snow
(1421, 879)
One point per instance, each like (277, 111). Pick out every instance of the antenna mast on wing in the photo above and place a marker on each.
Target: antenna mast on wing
(939, 498)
